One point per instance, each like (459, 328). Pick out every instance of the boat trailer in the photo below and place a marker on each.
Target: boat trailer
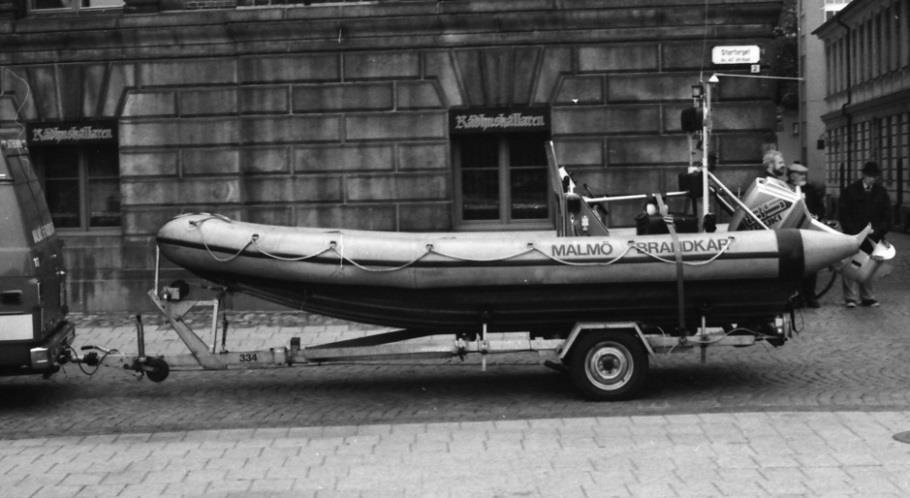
(605, 360)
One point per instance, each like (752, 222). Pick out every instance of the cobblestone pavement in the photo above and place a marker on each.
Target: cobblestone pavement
(814, 417)
(741, 454)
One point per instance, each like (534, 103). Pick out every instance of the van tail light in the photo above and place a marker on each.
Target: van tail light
(40, 307)
(11, 298)
(37, 283)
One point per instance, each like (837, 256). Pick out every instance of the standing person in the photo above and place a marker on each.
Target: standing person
(773, 169)
(774, 164)
(797, 177)
(863, 202)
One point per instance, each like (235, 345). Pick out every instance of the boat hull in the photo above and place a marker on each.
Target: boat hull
(542, 309)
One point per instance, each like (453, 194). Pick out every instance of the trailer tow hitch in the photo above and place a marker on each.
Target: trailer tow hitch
(155, 368)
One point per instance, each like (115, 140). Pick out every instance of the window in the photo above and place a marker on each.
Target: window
(502, 179)
(82, 185)
(260, 3)
(57, 5)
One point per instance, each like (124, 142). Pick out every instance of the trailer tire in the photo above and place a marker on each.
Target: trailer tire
(608, 367)
(156, 369)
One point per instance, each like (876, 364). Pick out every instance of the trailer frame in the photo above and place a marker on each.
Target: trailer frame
(606, 360)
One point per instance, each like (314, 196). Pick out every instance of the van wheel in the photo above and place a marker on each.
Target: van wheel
(608, 367)
(156, 369)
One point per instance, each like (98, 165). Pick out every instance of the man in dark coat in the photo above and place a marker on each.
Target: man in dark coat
(797, 177)
(863, 202)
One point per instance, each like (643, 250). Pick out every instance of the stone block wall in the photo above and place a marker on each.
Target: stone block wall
(289, 150)
(354, 141)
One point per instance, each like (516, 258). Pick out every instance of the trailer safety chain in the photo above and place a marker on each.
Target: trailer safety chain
(95, 362)
(337, 247)
(796, 330)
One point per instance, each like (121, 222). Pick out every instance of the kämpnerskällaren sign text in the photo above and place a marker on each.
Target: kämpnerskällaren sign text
(72, 133)
(498, 120)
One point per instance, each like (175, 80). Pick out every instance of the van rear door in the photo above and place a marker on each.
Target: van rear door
(32, 276)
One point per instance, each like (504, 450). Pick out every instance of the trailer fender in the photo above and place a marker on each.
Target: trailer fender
(581, 328)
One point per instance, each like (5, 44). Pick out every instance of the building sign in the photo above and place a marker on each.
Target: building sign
(736, 54)
(72, 133)
(499, 120)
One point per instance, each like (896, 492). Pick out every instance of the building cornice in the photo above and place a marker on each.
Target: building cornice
(853, 14)
(894, 103)
(116, 35)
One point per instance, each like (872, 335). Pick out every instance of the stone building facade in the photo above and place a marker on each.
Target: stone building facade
(867, 53)
(392, 115)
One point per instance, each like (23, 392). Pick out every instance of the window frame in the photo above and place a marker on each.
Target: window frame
(504, 175)
(84, 192)
(75, 8)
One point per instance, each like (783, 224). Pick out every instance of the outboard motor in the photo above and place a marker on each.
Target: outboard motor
(775, 204)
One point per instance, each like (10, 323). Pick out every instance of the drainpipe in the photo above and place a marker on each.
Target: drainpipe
(844, 108)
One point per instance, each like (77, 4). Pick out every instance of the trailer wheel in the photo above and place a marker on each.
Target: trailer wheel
(608, 367)
(156, 369)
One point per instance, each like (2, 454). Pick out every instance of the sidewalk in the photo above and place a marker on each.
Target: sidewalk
(749, 454)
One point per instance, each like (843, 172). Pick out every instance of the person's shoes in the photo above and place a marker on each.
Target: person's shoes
(812, 303)
(850, 304)
(872, 303)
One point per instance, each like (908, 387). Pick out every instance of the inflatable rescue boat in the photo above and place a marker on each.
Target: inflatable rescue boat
(510, 281)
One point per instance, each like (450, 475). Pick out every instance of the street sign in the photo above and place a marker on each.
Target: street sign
(736, 54)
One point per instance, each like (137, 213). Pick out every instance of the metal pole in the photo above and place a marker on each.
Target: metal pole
(483, 355)
(738, 202)
(631, 197)
(215, 304)
(140, 337)
(157, 265)
(706, 133)
(703, 338)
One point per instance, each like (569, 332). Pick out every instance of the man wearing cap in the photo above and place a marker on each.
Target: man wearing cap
(797, 177)
(863, 202)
